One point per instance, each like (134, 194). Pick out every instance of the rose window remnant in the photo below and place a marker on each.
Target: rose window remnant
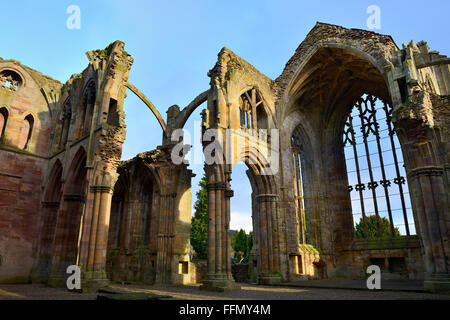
(10, 81)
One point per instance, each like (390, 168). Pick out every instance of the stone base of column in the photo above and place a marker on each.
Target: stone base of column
(437, 283)
(269, 280)
(219, 283)
(57, 281)
(92, 281)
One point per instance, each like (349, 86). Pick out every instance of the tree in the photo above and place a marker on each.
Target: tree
(372, 228)
(199, 223)
(249, 245)
(240, 245)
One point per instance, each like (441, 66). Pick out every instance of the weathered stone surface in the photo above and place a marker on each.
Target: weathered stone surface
(66, 198)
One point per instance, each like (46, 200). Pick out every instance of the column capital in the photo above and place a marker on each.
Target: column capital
(50, 204)
(101, 189)
(74, 197)
(229, 193)
(425, 171)
(267, 197)
(216, 186)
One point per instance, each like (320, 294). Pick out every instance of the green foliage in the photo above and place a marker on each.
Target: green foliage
(242, 244)
(249, 245)
(199, 224)
(372, 231)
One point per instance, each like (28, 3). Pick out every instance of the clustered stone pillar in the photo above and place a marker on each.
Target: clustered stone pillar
(428, 195)
(219, 277)
(94, 235)
(425, 144)
(166, 237)
(269, 264)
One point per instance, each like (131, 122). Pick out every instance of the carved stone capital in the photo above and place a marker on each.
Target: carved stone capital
(216, 186)
(425, 171)
(267, 197)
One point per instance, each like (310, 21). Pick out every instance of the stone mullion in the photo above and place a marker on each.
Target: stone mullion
(385, 183)
(372, 184)
(300, 197)
(253, 111)
(397, 169)
(360, 187)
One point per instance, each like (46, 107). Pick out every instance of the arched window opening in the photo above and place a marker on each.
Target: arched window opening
(251, 111)
(87, 110)
(377, 179)
(65, 125)
(10, 80)
(117, 206)
(3, 121)
(298, 188)
(26, 132)
(113, 114)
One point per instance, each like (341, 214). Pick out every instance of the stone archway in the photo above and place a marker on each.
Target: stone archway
(68, 223)
(268, 223)
(50, 208)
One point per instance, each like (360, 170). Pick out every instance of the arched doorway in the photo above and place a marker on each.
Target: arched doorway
(134, 224)
(322, 97)
(50, 207)
(67, 234)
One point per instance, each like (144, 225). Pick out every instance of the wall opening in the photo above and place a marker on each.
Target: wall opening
(113, 114)
(26, 132)
(377, 179)
(3, 121)
(183, 267)
(298, 179)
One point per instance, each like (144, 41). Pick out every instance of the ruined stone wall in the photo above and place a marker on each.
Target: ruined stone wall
(154, 218)
(49, 133)
(24, 144)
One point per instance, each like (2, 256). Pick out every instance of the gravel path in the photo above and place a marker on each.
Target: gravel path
(248, 292)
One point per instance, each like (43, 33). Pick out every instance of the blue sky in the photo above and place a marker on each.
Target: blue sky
(175, 43)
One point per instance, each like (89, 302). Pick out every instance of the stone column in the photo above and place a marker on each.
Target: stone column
(165, 238)
(428, 194)
(422, 126)
(94, 234)
(219, 277)
(269, 264)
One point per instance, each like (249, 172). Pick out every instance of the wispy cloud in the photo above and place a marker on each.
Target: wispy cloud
(241, 221)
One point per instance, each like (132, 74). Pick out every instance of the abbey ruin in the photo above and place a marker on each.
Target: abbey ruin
(363, 131)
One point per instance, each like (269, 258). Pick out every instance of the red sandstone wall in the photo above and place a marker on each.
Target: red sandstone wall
(21, 175)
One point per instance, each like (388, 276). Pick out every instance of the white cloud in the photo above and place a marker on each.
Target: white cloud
(241, 221)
